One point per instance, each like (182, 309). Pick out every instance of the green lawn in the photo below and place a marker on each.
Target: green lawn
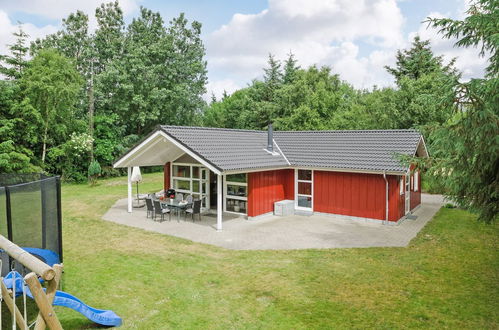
(446, 278)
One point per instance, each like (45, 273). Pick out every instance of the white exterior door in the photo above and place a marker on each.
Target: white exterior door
(407, 192)
(304, 190)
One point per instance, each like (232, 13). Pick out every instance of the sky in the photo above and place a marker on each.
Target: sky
(356, 38)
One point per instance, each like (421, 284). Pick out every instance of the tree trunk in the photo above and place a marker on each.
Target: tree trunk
(91, 110)
(45, 133)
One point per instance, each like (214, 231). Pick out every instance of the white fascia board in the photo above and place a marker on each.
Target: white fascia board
(131, 154)
(422, 141)
(136, 152)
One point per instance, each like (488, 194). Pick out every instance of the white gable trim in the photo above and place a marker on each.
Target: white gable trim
(422, 142)
(144, 146)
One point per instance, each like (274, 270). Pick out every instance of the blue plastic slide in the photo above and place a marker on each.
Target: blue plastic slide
(103, 317)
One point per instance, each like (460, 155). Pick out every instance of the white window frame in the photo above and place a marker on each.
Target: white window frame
(401, 185)
(226, 196)
(407, 193)
(191, 179)
(311, 181)
(416, 181)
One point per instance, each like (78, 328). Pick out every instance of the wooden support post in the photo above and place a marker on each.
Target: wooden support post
(26, 259)
(50, 292)
(12, 307)
(41, 299)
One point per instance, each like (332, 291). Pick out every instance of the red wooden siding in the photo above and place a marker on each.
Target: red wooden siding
(166, 176)
(396, 204)
(353, 194)
(415, 195)
(266, 188)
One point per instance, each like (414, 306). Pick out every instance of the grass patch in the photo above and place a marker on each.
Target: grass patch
(446, 278)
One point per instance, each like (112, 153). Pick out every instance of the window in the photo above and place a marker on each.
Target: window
(242, 177)
(304, 189)
(182, 185)
(412, 182)
(191, 179)
(416, 181)
(181, 171)
(236, 193)
(401, 185)
(304, 175)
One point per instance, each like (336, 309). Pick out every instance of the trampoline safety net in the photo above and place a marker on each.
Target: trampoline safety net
(30, 212)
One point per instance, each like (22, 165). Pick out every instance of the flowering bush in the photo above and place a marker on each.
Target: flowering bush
(79, 144)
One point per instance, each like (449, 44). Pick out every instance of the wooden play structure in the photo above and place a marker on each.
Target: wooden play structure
(43, 298)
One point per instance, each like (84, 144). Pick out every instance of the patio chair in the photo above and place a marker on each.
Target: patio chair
(196, 209)
(179, 196)
(158, 209)
(150, 207)
(189, 199)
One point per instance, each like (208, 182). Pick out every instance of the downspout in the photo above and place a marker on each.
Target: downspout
(386, 197)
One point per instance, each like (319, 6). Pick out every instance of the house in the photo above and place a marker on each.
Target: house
(350, 173)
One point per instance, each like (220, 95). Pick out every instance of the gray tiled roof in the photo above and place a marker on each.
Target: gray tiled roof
(233, 149)
(227, 149)
(358, 150)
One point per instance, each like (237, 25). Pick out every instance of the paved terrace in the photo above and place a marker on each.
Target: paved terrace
(283, 233)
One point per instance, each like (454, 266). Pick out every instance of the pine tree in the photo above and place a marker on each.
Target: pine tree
(290, 69)
(417, 61)
(272, 77)
(16, 62)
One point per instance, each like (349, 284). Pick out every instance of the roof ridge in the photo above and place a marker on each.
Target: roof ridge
(354, 131)
(289, 131)
(213, 128)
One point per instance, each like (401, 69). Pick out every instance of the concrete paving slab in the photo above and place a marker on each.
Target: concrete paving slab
(284, 233)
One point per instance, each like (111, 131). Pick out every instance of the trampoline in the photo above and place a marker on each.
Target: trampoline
(30, 215)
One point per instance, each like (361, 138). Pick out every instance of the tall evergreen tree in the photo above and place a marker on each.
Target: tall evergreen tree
(272, 77)
(466, 149)
(15, 63)
(290, 69)
(415, 62)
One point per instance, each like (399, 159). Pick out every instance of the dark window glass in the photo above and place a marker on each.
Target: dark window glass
(304, 188)
(236, 177)
(305, 175)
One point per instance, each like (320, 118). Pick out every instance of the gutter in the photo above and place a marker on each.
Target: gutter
(386, 197)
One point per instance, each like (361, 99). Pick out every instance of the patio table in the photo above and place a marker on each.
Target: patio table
(177, 205)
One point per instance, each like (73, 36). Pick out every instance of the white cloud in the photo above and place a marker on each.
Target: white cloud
(468, 60)
(327, 32)
(316, 31)
(7, 27)
(217, 87)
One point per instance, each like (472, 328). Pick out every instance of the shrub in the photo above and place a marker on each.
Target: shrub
(94, 170)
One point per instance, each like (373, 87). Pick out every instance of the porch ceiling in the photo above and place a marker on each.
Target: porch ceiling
(156, 150)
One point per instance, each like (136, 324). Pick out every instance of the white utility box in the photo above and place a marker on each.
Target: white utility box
(284, 208)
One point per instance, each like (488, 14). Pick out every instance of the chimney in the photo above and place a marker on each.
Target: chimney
(270, 139)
